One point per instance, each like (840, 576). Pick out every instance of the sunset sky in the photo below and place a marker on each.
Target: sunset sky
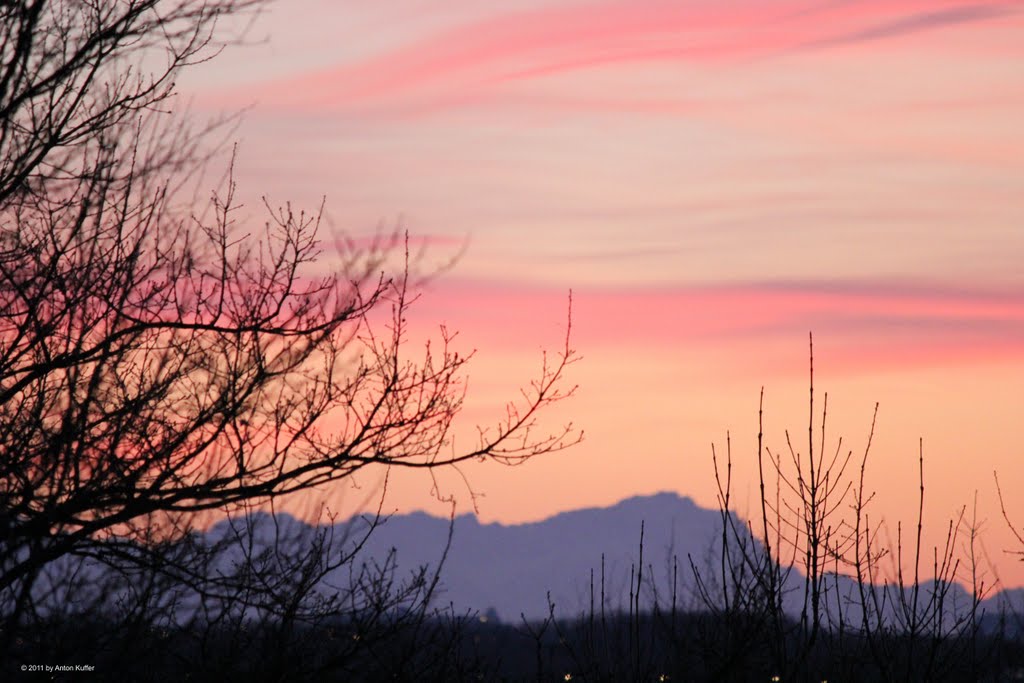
(713, 179)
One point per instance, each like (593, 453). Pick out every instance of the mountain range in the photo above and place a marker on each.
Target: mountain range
(565, 564)
(520, 570)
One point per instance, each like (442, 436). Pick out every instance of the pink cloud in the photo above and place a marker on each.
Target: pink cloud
(529, 44)
(866, 326)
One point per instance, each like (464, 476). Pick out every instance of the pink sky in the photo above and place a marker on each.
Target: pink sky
(713, 180)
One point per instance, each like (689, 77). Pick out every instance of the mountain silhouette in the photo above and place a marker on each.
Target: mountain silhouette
(511, 569)
(514, 570)
(518, 570)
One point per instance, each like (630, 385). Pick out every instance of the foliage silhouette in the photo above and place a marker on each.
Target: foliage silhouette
(799, 591)
(161, 366)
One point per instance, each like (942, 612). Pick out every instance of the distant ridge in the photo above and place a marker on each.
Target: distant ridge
(509, 570)
(512, 568)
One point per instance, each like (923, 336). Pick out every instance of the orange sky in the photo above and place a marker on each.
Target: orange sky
(713, 180)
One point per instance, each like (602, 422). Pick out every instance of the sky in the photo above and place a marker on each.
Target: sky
(713, 180)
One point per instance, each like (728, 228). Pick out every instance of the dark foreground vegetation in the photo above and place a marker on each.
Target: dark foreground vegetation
(164, 365)
(620, 647)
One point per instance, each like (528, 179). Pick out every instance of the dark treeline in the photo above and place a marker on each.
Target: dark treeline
(798, 595)
(166, 362)
(621, 647)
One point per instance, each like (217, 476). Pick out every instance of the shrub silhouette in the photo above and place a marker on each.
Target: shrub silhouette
(798, 592)
(162, 366)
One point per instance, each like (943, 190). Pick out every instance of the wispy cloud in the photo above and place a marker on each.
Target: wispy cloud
(463, 60)
(866, 323)
(917, 22)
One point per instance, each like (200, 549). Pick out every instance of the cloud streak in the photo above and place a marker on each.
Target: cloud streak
(467, 59)
(866, 324)
(922, 21)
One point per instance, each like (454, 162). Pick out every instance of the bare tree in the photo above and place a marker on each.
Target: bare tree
(807, 574)
(159, 361)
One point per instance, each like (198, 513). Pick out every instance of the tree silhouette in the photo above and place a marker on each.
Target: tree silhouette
(159, 362)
